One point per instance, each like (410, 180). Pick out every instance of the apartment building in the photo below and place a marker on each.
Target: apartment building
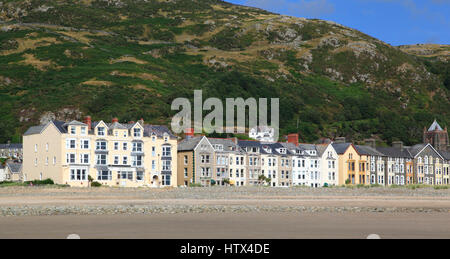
(428, 164)
(226, 153)
(197, 155)
(398, 162)
(131, 154)
(328, 165)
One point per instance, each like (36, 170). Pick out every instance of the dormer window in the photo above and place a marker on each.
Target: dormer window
(73, 131)
(218, 147)
(83, 130)
(101, 131)
(137, 132)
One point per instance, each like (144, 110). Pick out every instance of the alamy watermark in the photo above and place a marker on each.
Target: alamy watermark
(235, 115)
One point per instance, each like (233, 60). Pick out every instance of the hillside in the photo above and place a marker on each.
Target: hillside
(131, 58)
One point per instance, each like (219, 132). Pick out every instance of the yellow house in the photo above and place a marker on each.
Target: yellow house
(352, 166)
(133, 154)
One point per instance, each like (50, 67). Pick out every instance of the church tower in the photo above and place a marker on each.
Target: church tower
(437, 137)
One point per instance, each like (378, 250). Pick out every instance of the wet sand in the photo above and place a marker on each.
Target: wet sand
(231, 226)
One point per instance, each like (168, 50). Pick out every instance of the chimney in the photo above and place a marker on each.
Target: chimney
(235, 140)
(88, 121)
(398, 144)
(371, 143)
(340, 140)
(189, 133)
(293, 139)
(115, 120)
(131, 122)
(141, 121)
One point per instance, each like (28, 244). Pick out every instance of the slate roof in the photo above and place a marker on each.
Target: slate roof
(228, 144)
(435, 126)
(394, 152)
(414, 150)
(341, 147)
(149, 130)
(11, 146)
(321, 149)
(34, 130)
(445, 155)
(368, 151)
(14, 167)
(189, 144)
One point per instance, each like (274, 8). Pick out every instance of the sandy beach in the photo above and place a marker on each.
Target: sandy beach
(249, 212)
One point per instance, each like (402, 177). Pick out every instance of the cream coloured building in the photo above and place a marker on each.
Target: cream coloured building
(114, 154)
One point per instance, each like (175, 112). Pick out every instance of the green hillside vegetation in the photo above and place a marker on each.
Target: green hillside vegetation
(130, 59)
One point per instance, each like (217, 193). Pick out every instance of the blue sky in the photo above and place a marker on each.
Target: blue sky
(396, 22)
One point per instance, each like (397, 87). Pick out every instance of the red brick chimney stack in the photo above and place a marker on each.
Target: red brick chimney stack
(114, 120)
(88, 121)
(293, 138)
(189, 133)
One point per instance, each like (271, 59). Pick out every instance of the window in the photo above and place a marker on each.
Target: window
(54, 160)
(116, 145)
(83, 130)
(125, 146)
(136, 160)
(126, 175)
(46, 161)
(124, 134)
(166, 165)
(35, 147)
(186, 160)
(104, 175)
(139, 176)
(70, 143)
(101, 131)
(137, 147)
(70, 158)
(101, 145)
(153, 151)
(84, 158)
(166, 180)
(46, 147)
(137, 132)
(78, 175)
(153, 164)
(116, 160)
(166, 151)
(101, 160)
(205, 159)
(185, 172)
(73, 131)
(84, 144)
(125, 160)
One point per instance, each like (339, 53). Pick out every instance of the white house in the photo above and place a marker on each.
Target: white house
(263, 134)
(328, 165)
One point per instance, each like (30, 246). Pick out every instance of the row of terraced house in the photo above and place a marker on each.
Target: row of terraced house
(136, 154)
